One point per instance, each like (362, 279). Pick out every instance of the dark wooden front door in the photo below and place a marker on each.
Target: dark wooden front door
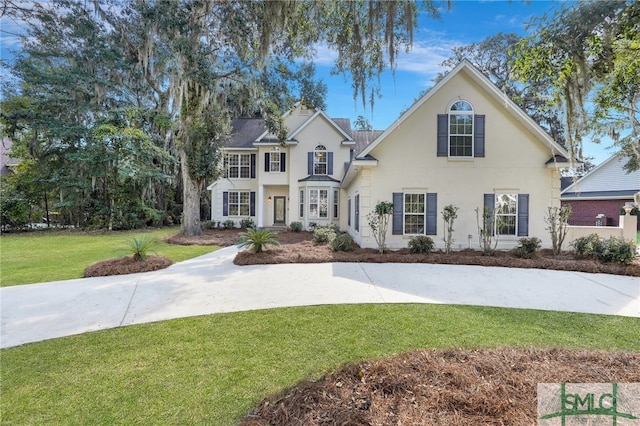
(279, 209)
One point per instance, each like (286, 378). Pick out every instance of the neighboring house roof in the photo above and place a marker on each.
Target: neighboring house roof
(6, 160)
(468, 68)
(608, 180)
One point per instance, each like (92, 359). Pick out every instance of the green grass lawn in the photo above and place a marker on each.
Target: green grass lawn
(51, 256)
(211, 370)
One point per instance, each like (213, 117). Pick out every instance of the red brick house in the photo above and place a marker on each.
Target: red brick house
(596, 198)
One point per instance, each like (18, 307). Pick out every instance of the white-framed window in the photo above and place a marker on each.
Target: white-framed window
(336, 201)
(461, 129)
(302, 203)
(238, 166)
(318, 203)
(506, 214)
(320, 160)
(274, 160)
(239, 203)
(414, 213)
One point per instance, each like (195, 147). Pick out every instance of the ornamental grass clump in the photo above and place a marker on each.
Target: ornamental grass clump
(140, 247)
(257, 240)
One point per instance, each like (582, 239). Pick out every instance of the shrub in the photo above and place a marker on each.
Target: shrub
(614, 249)
(140, 248)
(617, 250)
(342, 242)
(421, 244)
(587, 246)
(295, 226)
(257, 240)
(228, 224)
(528, 247)
(247, 223)
(324, 234)
(208, 224)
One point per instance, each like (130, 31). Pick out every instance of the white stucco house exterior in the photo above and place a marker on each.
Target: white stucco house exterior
(463, 143)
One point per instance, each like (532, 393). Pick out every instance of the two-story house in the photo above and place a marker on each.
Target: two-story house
(463, 143)
(276, 183)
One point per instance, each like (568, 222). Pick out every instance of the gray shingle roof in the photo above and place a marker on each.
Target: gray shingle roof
(363, 138)
(244, 132)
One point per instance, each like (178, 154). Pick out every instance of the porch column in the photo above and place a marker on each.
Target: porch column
(260, 206)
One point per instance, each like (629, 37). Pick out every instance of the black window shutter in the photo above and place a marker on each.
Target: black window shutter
(397, 222)
(432, 213)
(443, 135)
(478, 136)
(267, 165)
(310, 163)
(225, 204)
(283, 161)
(357, 215)
(349, 212)
(330, 163)
(252, 203)
(253, 166)
(523, 215)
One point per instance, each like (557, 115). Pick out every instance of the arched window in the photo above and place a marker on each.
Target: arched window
(320, 160)
(461, 129)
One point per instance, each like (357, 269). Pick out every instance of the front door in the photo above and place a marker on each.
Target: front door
(279, 210)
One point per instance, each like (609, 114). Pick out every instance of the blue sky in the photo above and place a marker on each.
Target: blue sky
(465, 22)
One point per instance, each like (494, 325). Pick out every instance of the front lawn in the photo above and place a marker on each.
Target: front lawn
(212, 369)
(35, 257)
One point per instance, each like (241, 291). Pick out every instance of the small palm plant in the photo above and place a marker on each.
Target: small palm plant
(141, 247)
(258, 239)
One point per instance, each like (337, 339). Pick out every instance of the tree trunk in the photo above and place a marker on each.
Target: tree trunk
(192, 189)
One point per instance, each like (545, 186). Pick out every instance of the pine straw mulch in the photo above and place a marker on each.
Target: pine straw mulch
(298, 247)
(441, 387)
(126, 265)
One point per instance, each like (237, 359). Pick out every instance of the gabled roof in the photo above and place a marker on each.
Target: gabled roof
(334, 124)
(469, 69)
(607, 180)
(246, 132)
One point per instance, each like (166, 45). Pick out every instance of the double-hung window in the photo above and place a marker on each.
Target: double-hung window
(506, 211)
(274, 160)
(318, 203)
(320, 160)
(238, 166)
(461, 130)
(336, 207)
(414, 213)
(239, 202)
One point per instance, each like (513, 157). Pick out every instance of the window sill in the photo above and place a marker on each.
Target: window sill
(461, 159)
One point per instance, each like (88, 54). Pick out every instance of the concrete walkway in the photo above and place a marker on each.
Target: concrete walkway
(212, 284)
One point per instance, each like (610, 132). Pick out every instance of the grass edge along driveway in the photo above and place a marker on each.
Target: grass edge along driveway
(213, 369)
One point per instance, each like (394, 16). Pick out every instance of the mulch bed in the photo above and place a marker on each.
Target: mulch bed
(441, 387)
(298, 247)
(126, 265)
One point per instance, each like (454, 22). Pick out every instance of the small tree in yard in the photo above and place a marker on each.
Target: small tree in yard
(449, 214)
(379, 222)
(486, 225)
(557, 221)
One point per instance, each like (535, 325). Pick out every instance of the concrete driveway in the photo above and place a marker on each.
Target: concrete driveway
(213, 284)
